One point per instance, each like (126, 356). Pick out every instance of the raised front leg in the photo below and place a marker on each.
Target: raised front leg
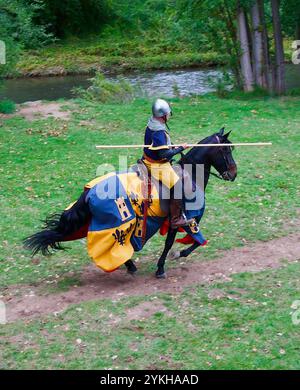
(185, 252)
(189, 250)
(160, 273)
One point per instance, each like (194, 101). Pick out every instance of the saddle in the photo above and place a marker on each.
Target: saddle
(141, 170)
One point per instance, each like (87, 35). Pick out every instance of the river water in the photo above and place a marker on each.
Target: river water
(150, 83)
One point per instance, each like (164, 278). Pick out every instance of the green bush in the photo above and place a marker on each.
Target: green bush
(7, 106)
(106, 91)
(294, 92)
(257, 93)
(222, 84)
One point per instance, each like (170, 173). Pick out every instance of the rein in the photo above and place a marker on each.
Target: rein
(216, 175)
(225, 174)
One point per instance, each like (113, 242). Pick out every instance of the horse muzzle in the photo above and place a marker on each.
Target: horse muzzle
(230, 175)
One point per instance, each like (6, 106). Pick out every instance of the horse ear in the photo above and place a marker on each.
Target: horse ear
(221, 132)
(227, 134)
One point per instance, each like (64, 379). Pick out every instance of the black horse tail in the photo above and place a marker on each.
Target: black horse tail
(60, 227)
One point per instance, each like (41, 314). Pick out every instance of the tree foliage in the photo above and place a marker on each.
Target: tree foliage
(291, 18)
(17, 22)
(18, 30)
(73, 17)
(202, 25)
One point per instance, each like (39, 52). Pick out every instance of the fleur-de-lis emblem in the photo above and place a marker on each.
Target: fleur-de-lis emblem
(120, 235)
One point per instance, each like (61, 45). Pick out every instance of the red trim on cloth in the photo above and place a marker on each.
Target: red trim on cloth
(112, 270)
(186, 240)
(165, 228)
(189, 240)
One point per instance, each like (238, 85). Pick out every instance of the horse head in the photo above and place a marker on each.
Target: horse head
(219, 157)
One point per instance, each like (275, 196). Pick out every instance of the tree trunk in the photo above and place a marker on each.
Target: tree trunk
(257, 46)
(267, 83)
(245, 58)
(233, 49)
(279, 52)
(249, 37)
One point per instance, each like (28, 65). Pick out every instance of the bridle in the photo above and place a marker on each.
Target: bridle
(226, 174)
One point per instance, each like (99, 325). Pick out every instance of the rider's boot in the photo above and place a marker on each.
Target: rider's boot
(178, 218)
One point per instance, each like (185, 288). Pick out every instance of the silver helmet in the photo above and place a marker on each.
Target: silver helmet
(161, 108)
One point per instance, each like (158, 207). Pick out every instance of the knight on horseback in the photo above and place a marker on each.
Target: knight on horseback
(158, 157)
(119, 225)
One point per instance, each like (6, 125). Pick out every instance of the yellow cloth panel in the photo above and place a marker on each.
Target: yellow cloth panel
(108, 253)
(163, 172)
(93, 182)
(133, 184)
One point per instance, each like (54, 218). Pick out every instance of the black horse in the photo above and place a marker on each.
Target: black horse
(71, 224)
(218, 157)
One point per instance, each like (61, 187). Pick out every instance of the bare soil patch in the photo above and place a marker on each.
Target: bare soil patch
(39, 110)
(94, 284)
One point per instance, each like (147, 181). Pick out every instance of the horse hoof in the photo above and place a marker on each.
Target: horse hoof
(131, 267)
(174, 255)
(161, 276)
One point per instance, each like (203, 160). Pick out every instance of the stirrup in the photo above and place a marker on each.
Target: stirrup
(186, 222)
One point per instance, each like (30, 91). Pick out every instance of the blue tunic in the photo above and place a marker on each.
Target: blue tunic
(159, 140)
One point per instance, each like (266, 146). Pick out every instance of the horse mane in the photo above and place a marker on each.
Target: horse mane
(188, 157)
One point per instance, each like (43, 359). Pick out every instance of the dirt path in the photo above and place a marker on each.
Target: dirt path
(40, 110)
(96, 285)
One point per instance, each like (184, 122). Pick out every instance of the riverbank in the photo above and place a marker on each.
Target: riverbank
(167, 83)
(102, 53)
(85, 56)
(33, 65)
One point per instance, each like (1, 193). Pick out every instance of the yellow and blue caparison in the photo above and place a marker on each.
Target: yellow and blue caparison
(117, 203)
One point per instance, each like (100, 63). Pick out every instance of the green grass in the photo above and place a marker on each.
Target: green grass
(7, 106)
(249, 327)
(44, 165)
(112, 53)
(42, 173)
